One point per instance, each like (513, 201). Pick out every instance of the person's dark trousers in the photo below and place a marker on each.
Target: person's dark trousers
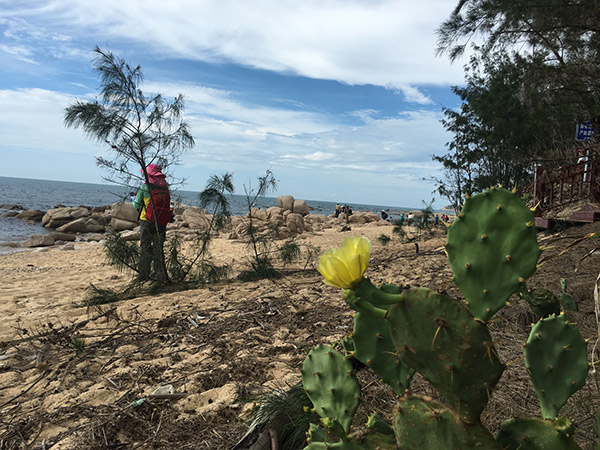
(151, 244)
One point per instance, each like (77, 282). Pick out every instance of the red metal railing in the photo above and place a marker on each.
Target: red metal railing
(566, 185)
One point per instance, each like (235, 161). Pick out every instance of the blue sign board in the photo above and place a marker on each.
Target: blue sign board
(585, 131)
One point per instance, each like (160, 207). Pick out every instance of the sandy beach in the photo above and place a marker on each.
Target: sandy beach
(213, 347)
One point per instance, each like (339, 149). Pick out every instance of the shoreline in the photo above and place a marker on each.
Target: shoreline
(62, 225)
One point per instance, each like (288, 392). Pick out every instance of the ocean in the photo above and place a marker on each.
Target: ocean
(45, 194)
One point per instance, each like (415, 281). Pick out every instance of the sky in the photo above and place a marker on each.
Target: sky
(340, 99)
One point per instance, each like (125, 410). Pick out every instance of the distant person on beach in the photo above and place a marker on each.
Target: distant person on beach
(437, 219)
(338, 210)
(153, 201)
(384, 215)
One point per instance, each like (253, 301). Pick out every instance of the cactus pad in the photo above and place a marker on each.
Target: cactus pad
(535, 434)
(425, 424)
(437, 336)
(492, 248)
(541, 301)
(330, 385)
(373, 347)
(556, 358)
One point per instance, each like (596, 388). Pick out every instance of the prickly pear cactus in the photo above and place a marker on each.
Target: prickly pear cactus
(331, 386)
(437, 336)
(377, 436)
(421, 423)
(556, 358)
(541, 301)
(373, 347)
(492, 248)
(536, 434)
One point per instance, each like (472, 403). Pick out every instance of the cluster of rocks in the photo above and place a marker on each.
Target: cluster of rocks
(290, 217)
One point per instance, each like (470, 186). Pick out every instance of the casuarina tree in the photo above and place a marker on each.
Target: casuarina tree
(139, 129)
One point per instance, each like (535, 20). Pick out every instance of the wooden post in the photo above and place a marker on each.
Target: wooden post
(538, 191)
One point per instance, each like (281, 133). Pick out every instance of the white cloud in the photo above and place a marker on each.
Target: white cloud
(33, 119)
(19, 52)
(385, 158)
(386, 43)
(414, 95)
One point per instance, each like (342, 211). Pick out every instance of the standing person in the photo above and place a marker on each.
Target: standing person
(384, 215)
(153, 201)
(338, 210)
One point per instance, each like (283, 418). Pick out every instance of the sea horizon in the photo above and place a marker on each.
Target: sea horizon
(31, 193)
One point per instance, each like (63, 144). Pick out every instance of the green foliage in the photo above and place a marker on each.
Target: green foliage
(78, 344)
(99, 296)
(285, 412)
(384, 239)
(398, 228)
(538, 63)
(260, 244)
(438, 337)
(289, 251)
(260, 268)
(122, 254)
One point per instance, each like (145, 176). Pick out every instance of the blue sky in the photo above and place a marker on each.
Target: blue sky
(340, 99)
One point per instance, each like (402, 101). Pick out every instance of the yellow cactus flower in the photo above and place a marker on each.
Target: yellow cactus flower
(344, 267)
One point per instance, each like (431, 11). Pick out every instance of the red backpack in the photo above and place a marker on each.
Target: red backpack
(162, 204)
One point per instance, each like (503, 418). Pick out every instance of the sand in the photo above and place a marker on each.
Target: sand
(215, 346)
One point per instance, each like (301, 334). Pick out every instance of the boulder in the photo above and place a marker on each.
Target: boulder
(295, 223)
(286, 202)
(93, 225)
(38, 241)
(95, 237)
(196, 218)
(371, 217)
(58, 236)
(300, 207)
(101, 218)
(130, 235)
(125, 211)
(9, 214)
(357, 218)
(274, 211)
(259, 213)
(11, 207)
(57, 217)
(100, 209)
(31, 214)
(122, 224)
(76, 226)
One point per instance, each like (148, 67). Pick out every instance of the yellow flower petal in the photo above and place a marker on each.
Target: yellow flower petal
(344, 267)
